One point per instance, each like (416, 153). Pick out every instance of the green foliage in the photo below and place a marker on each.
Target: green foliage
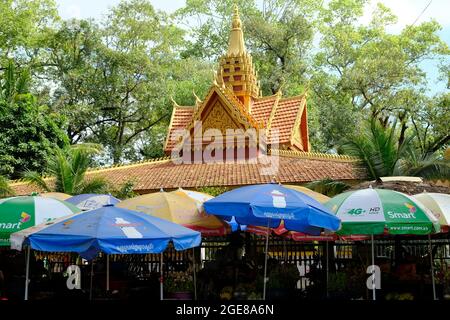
(362, 71)
(328, 187)
(125, 191)
(29, 131)
(213, 191)
(278, 34)
(5, 189)
(111, 80)
(383, 153)
(179, 281)
(23, 25)
(67, 169)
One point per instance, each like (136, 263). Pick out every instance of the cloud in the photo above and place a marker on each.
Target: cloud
(73, 11)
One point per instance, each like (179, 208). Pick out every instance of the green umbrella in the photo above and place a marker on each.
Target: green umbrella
(18, 213)
(379, 211)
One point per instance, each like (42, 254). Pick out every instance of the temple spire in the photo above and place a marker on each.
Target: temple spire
(236, 45)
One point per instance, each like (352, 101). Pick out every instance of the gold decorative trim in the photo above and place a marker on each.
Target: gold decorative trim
(297, 122)
(278, 96)
(313, 155)
(105, 169)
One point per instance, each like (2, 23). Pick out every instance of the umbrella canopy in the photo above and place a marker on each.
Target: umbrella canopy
(313, 194)
(269, 204)
(179, 209)
(90, 201)
(18, 213)
(56, 195)
(438, 204)
(372, 211)
(110, 230)
(198, 197)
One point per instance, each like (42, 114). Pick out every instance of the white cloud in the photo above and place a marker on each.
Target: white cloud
(73, 11)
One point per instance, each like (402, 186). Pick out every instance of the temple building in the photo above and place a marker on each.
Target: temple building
(233, 102)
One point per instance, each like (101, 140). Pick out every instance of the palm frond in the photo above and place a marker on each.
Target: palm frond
(94, 185)
(79, 165)
(328, 187)
(35, 178)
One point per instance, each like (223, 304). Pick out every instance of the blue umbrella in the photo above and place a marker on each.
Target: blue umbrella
(108, 229)
(89, 201)
(270, 204)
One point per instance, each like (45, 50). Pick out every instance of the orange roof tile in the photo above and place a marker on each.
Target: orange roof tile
(181, 117)
(284, 118)
(261, 108)
(166, 174)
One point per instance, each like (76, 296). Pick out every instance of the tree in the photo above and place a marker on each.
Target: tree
(116, 79)
(29, 131)
(364, 68)
(23, 25)
(383, 154)
(66, 171)
(430, 118)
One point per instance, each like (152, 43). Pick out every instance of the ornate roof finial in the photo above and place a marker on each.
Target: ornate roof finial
(236, 45)
(197, 99)
(175, 104)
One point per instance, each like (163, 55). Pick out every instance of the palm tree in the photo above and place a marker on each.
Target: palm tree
(383, 155)
(5, 189)
(67, 169)
(13, 82)
(428, 166)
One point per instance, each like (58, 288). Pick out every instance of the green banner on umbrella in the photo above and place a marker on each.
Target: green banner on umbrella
(374, 211)
(18, 213)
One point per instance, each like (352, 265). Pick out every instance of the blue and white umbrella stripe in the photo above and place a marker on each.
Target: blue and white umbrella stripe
(110, 230)
(269, 204)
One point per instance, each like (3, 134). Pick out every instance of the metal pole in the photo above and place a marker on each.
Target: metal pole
(265, 261)
(328, 269)
(374, 293)
(161, 286)
(92, 276)
(107, 272)
(432, 267)
(195, 274)
(27, 272)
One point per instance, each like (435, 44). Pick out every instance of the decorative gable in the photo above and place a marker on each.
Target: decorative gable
(219, 118)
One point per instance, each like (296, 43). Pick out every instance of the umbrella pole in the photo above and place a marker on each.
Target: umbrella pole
(27, 272)
(374, 294)
(195, 274)
(92, 276)
(327, 266)
(432, 266)
(107, 272)
(265, 261)
(161, 285)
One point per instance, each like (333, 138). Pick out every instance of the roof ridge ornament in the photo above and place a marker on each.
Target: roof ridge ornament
(175, 104)
(236, 46)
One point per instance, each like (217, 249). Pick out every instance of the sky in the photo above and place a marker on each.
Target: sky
(407, 12)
